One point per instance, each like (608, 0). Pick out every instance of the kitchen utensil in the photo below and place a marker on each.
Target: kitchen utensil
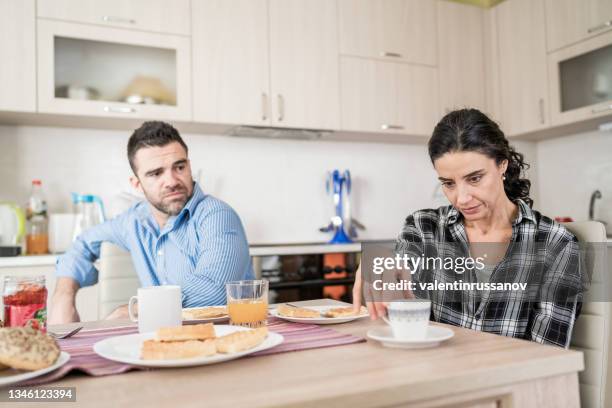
(12, 224)
(158, 306)
(65, 335)
(89, 211)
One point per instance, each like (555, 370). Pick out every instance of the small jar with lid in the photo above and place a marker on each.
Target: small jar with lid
(25, 302)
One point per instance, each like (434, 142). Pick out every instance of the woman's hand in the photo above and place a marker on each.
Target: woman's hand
(376, 309)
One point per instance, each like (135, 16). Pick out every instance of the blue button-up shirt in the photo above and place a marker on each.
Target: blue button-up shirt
(200, 249)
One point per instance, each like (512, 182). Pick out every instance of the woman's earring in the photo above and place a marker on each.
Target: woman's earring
(503, 177)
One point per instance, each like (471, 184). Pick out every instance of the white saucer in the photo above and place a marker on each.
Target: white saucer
(435, 335)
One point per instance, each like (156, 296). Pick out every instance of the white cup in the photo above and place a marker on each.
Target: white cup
(158, 306)
(409, 319)
(61, 227)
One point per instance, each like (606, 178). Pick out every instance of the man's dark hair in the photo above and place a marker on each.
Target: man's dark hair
(149, 134)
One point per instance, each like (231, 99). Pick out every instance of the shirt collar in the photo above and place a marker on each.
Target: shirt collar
(524, 213)
(143, 210)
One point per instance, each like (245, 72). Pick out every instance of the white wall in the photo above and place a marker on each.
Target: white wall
(570, 169)
(277, 186)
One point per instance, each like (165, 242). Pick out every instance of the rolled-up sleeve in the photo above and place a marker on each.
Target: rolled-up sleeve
(78, 262)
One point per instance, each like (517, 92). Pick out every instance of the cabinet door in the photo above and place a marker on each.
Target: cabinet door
(380, 96)
(163, 16)
(403, 30)
(570, 21)
(102, 71)
(230, 61)
(522, 65)
(460, 56)
(304, 64)
(18, 49)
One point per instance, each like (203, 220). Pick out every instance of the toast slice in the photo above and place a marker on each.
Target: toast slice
(201, 313)
(290, 311)
(164, 350)
(241, 340)
(183, 333)
(340, 312)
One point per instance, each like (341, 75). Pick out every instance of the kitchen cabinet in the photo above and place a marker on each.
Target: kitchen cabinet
(571, 21)
(402, 30)
(231, 71)
(18, 49)
(461, 56)
(390, 97)
(266, 62)
(581, 80)
(111, 72)
(163, 16)
(523, 76)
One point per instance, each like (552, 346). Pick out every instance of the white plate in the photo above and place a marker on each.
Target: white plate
(435, 335)
(319, 320)
(209, 320)
(126, 349)
(11, 376)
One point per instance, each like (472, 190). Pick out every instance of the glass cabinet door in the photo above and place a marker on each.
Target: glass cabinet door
(106, 71)
(581, 80)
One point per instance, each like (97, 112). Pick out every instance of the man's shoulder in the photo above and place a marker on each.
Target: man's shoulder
(211, 205)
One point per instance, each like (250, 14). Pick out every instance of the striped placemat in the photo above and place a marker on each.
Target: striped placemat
(82, 357)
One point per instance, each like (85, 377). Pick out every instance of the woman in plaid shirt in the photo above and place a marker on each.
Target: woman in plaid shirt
(490, 212)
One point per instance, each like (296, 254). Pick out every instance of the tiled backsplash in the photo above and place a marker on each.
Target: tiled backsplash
(277, 186)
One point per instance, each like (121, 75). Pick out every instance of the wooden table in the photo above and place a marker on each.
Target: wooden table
(473, 369)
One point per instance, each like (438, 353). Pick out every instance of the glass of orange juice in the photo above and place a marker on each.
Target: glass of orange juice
(247, 302)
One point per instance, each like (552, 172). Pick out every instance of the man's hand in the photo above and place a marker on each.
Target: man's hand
(63, 309)
(121, 313)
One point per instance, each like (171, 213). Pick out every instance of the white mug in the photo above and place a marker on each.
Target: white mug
(158, 306)
(409, 319)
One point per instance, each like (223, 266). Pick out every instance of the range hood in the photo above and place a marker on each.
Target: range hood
(263, 132)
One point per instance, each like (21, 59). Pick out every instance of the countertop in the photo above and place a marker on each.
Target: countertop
(472, 366)
(254, 250)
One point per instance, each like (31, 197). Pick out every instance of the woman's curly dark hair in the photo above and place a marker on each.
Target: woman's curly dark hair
(469, 130)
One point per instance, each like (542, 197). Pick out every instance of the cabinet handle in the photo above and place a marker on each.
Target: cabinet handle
(281, 107)
(542, 115)
(113, 19)
(391, 127)
(602, 109)
(115, 109)
(600, 27)
(390, 54)
(264, 106)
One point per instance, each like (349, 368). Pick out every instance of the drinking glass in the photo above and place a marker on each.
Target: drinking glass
(247, 302)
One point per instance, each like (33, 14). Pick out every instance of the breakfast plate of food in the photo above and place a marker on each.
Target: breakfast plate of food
(186, 346)
(318, 314)
(27, 353)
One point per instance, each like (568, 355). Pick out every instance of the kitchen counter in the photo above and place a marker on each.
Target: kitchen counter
(255, 250)
(471, 369)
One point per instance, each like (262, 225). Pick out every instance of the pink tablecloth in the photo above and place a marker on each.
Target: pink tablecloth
(82, 357)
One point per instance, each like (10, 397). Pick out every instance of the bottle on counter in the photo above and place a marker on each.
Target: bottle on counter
(37, 235)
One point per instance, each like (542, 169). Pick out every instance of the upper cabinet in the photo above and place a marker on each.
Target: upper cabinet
(389, 97)
(103, 71)
(570, 21)
(162, 16)
(231, 71)
(523, 80)
(581, 80)
(18, 49)
(264, 62)
(402, 30)
(460, 56)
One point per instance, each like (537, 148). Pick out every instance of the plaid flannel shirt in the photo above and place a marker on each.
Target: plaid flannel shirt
(548, 317)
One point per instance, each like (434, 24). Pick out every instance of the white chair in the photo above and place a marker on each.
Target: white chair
(117, 279)
(592, 331)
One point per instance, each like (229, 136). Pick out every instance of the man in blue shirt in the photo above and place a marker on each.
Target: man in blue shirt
(179, 236)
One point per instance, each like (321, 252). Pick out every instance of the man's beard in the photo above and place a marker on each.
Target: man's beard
(173, 207)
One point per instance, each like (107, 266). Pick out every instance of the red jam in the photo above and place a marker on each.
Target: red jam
(26, 307)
